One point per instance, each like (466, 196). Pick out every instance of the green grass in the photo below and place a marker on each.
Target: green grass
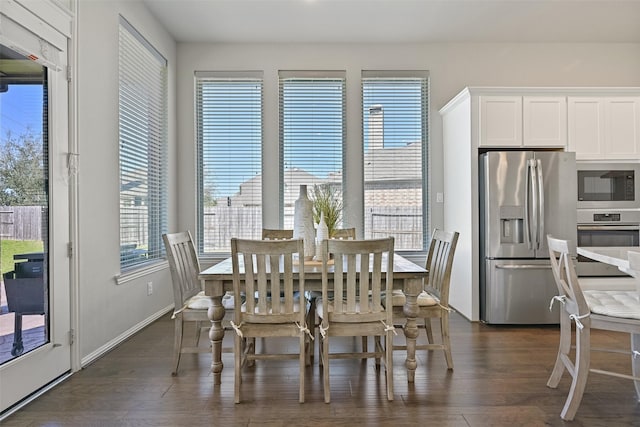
(8, 248)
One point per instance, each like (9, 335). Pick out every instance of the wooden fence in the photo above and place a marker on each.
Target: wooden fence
(21, 222)
(221, 223)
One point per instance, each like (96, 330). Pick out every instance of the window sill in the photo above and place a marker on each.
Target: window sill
(142, 271)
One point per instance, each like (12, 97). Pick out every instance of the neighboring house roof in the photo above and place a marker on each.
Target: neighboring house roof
(391, 165)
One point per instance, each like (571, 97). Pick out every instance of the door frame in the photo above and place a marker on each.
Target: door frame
(26, 377)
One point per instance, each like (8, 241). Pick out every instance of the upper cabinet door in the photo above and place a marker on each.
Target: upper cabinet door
(544, 121)
(586, 127)
(622, 127)
(500, 121)
(604, 128)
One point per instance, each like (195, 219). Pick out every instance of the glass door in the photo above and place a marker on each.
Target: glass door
(35, 333)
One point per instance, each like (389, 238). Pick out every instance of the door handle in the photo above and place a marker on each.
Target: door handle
(524, 267)
(540, 203)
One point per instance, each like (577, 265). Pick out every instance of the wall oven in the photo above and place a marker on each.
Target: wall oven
(608, 185)
(605, 228)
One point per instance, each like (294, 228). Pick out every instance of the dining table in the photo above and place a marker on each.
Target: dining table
(407, 275)
(618, 256)
(612, 255)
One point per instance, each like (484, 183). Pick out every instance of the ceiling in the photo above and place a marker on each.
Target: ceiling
(398, 21)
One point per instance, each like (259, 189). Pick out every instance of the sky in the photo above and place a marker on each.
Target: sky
(20, 110)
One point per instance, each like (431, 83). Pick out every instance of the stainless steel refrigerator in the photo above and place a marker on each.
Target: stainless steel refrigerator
(524, 195)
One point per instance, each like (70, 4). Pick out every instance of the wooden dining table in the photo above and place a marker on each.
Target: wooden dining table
(218, 279)
(613, 255)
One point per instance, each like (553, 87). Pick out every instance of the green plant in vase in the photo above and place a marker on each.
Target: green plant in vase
(327, 200)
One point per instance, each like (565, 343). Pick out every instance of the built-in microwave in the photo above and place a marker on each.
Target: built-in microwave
(608, 185)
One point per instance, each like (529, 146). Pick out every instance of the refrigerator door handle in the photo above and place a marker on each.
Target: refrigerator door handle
(527, 222)
(540, 203)
(532, 193)
(524, 266)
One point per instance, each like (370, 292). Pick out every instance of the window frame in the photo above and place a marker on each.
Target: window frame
(310, 76)
(243, 77)
(424, 77)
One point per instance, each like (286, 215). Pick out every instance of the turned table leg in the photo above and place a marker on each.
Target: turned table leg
(216, 334)
(412, 288)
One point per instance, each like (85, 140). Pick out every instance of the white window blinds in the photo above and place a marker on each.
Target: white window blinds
(229, 139)
(143, 148)
(312, 134)
(394, 122)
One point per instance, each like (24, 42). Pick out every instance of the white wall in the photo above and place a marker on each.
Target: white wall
(109, 311)
(452, 67)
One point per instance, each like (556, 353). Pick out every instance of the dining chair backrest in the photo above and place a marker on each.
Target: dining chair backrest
(565, 276)
(184, 266)
(344, 234)
(276, 234)
(440, 262)
(266, 267)
(363, 270)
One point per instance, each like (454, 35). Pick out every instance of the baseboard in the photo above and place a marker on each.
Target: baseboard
(122, 337)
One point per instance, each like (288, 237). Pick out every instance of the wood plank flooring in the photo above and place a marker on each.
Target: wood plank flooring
(499, 380)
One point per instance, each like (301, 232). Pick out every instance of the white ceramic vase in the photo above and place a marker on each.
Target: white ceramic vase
(303, 223)
(322, 233)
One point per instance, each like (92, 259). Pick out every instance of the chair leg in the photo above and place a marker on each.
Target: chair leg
(198, 332)
(311, 324)
(635, 362)
(581, 371)
(237, 359)
(251, 349)
(325, 369)
(446, 341)
(177, 343)
(365, 348)
(303, 364)
(564, 347)
(429, 330)
(388, 363)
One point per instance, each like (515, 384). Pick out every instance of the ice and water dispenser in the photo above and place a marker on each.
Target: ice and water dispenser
(511, 224)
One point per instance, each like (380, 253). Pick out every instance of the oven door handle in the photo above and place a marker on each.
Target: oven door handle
(608, 227)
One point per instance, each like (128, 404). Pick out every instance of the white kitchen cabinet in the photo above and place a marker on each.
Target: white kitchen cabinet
(501, 121)
(544, 121)
(604, 128)
(480, 119)
(523, 121)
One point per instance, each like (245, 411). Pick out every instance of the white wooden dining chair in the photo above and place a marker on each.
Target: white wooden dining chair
(351, 304)
(605, 310)
(190, 303)
(264, 268)
(433, 301)
(312, 296)
(344, 233)
(276, 234)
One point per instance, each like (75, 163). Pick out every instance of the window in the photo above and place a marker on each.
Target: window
(312, 134)
(143, 148)
(229, 140)
(394, 122)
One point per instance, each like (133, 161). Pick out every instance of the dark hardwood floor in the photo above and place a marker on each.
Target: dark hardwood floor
(499, 380)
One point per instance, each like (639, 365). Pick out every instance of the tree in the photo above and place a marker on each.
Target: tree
(209, 198)
(22, 172)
